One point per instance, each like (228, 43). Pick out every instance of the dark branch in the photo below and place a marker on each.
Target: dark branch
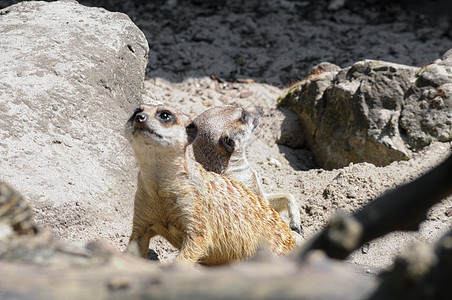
(403, 208)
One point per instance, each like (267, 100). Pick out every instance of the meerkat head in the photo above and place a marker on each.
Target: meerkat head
(159, 127)
(222, 132)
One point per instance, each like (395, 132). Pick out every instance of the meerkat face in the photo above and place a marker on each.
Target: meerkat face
(152, 126)
(227, 127)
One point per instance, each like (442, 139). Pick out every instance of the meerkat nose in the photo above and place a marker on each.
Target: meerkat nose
(141, 118)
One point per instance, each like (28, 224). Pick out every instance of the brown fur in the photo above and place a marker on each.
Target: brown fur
(208, 217)
(220, 146)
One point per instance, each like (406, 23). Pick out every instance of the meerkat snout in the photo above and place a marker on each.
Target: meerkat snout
(233, 137)
(140, 119)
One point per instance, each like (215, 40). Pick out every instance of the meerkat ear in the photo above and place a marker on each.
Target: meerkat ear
(228, 143)
(192, 132)
(257, 112)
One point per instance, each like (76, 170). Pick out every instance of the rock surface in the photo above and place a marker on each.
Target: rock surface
(373, 111)
(427, 113)
(70, 77)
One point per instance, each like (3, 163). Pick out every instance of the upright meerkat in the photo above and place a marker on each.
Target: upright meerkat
(220, 146)
(208, 217)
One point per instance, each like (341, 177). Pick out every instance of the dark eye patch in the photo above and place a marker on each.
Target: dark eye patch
(244, 117)
(165, 116)
(228, 144)
(192, 131)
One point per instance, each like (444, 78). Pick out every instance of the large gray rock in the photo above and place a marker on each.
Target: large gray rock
(373, 111)
(70, 76)
(427, 114)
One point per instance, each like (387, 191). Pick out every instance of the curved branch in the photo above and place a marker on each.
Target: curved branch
(403, 208)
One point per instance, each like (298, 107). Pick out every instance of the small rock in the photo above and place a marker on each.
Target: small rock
(365, 248)
(246, 94)
(274, 162)
(449, 212)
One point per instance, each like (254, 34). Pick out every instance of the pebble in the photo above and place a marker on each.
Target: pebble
(246, 94)
(449, 212)
(274, 162)
(365, 248)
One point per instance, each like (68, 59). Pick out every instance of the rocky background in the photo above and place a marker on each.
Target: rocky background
(72, 74)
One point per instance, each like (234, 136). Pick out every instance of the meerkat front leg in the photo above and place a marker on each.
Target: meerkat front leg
(141, 236)
(279, 202)
(193, 248)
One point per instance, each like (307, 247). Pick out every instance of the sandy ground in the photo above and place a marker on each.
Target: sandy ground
(201, 52)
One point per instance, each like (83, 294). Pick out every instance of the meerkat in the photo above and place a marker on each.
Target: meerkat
(220, 146)
(211, 219)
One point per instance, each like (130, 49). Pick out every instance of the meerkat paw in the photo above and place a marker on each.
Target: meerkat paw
(280, 202)
(297, 237)
(297, 228)
(133, 249)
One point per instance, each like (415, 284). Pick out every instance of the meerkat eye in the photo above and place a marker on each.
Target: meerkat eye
(165, 116)
(244, 118)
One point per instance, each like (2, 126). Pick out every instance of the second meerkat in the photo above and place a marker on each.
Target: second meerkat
(208, 217)
(220, 146)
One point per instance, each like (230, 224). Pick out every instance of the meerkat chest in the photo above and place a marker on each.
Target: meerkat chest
(169, 217)
(166, 208)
